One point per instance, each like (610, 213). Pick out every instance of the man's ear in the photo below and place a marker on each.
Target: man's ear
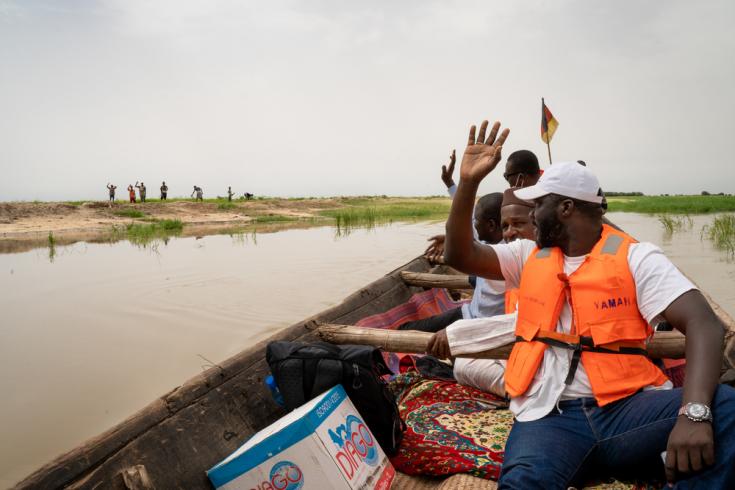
(565, 208)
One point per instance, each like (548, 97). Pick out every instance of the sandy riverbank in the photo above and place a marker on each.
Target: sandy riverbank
(27, 224)
(24, 219)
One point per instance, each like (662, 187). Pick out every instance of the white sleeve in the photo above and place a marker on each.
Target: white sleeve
(657, 280)
(481, 334)
(452, 190)
(512, 256)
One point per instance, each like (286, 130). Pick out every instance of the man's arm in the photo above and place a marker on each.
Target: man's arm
(461, 251)
(691, 444)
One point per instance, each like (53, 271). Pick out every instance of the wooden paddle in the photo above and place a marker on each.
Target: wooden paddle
(668, 345)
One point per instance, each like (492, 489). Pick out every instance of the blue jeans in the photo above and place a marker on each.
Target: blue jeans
(623, 440)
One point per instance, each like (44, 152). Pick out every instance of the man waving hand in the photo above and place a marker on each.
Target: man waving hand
(586, 398)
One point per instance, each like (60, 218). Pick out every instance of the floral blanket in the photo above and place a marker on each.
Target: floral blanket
(450, 428)
(455, 429)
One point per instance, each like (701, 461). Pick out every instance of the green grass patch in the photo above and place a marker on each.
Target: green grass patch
(672, 204)
(376, 211)
(273, 218)
(144, 234)
(370, 212)
(672, 223)
(225, 205)
(722, 233)
(129, 213)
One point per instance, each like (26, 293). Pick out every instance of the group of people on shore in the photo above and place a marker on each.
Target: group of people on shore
(197, 193)
(142, 190)
(580, 297)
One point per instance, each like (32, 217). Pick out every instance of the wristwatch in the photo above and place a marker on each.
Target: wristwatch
(696, 412)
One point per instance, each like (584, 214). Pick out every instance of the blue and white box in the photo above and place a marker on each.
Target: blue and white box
(324, 444)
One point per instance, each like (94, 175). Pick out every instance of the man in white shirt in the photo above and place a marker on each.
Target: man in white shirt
(570, 423)
(488, 298)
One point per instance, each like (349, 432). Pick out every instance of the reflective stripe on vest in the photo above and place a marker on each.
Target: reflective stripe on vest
(602, 297)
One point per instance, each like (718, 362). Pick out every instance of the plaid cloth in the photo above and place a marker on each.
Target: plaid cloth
(421, 305)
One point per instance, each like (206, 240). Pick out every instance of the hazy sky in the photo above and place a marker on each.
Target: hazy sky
(337, 97)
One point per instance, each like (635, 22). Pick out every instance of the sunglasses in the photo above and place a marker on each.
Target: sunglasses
(509, 176)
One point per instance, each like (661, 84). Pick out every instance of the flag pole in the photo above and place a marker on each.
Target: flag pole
(548, 144)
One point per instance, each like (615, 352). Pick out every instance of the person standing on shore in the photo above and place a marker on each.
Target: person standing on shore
(131, 193)
(230, 194)
(164, 191)
(111, 188)
(199, 192)
(141, 190)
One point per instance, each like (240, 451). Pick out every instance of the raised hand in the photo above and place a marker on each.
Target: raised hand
(435, 251)
(448, 171)
(482, 155)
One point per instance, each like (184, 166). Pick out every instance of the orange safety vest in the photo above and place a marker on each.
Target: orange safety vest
(511, 300)
(608, 332)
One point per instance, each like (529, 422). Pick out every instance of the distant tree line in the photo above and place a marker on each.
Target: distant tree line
(613, 194)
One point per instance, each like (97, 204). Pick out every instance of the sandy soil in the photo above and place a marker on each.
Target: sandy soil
(24, 221)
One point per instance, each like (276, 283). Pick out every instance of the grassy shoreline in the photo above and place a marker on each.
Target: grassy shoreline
(26, 218)
(144, 223)
(432, 206)
(672, 204)
(419, 207)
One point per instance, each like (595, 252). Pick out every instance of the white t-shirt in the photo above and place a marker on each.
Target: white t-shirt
(658, 283)
(488, 299)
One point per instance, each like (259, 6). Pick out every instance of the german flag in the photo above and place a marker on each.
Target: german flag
(548, 123)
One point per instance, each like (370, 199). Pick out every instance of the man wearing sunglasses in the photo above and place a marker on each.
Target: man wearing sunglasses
(522, 169)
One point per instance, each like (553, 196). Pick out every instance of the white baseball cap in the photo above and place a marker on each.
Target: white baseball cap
(568, 179)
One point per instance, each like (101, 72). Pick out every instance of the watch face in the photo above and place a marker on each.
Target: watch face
(697, 410)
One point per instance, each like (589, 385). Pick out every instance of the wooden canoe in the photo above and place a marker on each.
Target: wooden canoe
(175, 439)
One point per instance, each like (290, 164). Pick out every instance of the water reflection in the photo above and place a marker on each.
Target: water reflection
(51, 247)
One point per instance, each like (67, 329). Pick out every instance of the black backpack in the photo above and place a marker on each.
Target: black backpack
(303, 371)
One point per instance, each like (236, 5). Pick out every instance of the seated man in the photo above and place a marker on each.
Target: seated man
(586, 399)
(488, 298)
(486, 374)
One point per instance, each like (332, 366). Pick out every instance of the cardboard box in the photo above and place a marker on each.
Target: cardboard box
(321, 445)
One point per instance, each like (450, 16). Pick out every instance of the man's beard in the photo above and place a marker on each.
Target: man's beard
(548, 232)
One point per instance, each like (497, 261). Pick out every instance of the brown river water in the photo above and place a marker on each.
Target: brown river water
(96, 332)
